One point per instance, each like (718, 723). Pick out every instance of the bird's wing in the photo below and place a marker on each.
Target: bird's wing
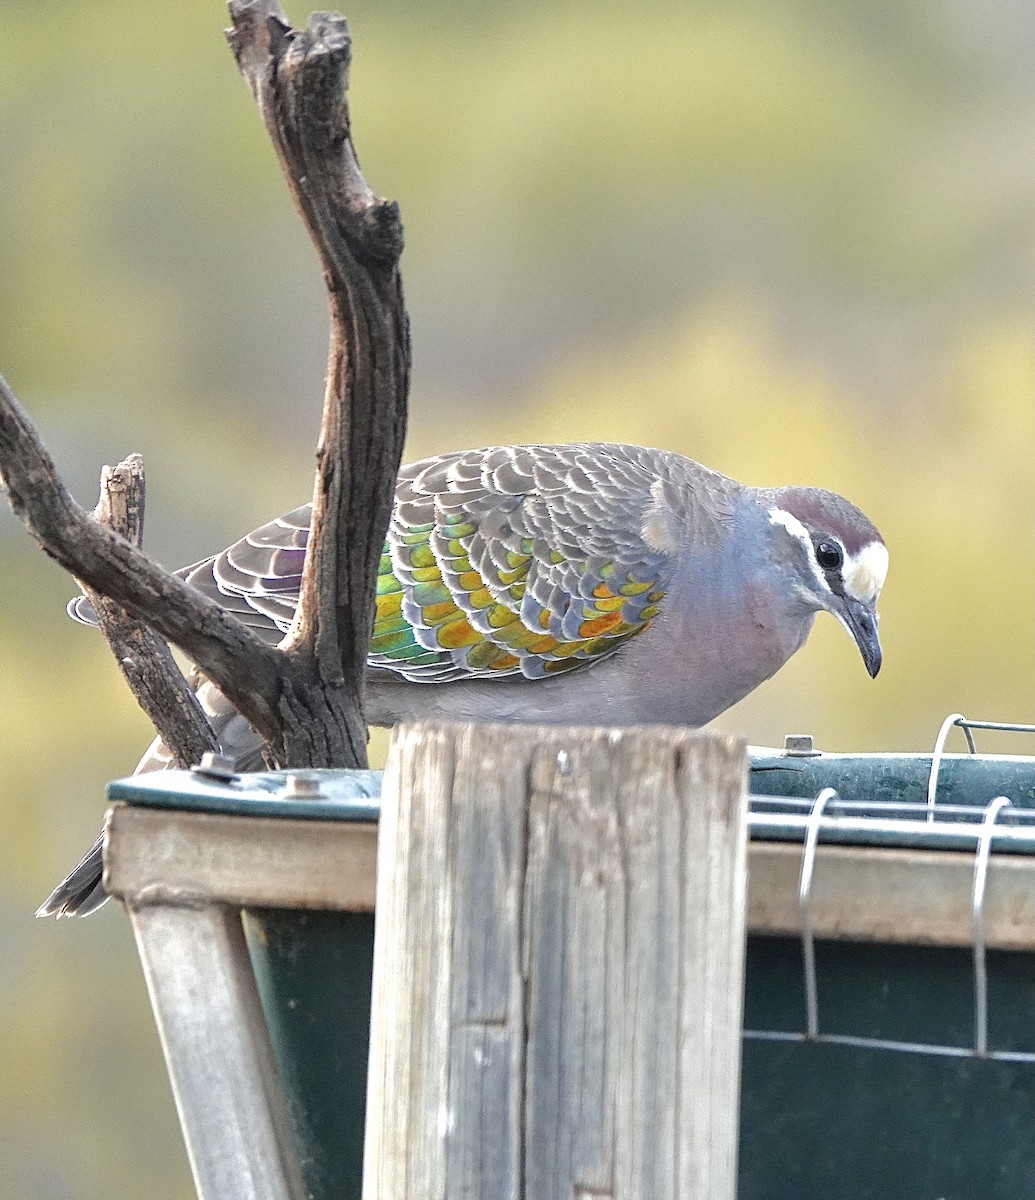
(509, 561)
(257, 578)
(517, 560)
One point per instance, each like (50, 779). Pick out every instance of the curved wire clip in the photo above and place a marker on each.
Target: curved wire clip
(808, 941)
(978, 913)
(966, 724)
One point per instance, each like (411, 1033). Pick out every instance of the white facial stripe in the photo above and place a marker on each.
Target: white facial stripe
(779, 516)
(864, 573)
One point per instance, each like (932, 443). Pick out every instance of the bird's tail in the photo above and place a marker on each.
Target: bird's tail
(82, 891)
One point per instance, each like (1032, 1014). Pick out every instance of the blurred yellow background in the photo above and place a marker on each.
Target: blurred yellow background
(792, 240)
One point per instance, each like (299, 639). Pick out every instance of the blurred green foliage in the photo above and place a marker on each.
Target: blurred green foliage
(791, 240)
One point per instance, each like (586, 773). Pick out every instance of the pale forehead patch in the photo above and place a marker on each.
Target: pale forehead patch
(864, 572)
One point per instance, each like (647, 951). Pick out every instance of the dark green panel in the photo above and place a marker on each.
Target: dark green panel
(821, 1120)
(314, 974)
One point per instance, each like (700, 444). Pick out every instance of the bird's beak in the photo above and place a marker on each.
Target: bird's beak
(861, 622)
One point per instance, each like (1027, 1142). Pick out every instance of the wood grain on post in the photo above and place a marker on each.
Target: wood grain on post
(558, 969)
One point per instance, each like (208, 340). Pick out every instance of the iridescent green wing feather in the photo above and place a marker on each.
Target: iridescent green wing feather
(517, 561)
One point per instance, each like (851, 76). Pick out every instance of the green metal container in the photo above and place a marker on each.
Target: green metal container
(920, 1116)
(853, 1122)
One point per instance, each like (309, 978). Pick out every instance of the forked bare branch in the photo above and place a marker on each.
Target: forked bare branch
(304, 697)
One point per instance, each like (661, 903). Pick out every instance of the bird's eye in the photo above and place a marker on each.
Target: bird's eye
(829, 555)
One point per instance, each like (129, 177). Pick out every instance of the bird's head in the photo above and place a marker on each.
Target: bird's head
(834, 558)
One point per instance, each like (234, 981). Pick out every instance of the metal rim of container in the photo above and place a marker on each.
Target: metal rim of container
(927, 824)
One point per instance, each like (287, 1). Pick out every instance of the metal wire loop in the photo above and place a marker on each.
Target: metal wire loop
(978, 913)
(967, 726)
(808, 942)
(1000, 726)
(939, 750)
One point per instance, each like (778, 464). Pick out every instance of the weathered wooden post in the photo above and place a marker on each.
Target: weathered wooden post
(558, 965)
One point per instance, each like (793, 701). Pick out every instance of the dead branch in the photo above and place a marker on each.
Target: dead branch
(300, 82)
(143, 657)
(228, 652)
(305, 697)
